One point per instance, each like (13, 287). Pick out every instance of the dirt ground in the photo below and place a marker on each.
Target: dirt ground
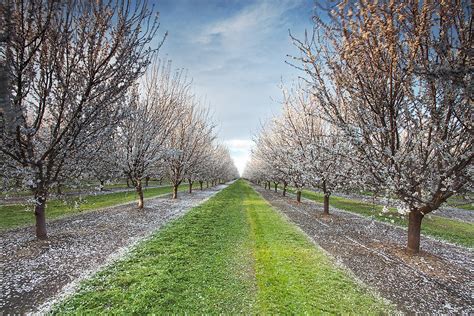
(439, 280)
(36, 273)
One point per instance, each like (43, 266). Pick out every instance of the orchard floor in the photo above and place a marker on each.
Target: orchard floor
(35, 273)
(439, 280)
(445, 211)
(24, 199)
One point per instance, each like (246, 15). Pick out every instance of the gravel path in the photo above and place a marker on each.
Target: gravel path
(35, 273)
(440, 280)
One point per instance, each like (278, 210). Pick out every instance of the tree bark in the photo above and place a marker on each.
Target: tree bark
(175, 191)
(40, 215)
(147, 179)
(298, 196)
(200, 185)
(140, 194)
(128, 183)
(326, 204)
(190, 186)
(326, 199)
(101, 185)
(284, 188)
(207, 184)
(414, 229)
(276, 186)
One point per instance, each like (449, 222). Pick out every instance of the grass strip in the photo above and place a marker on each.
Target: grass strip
(200, 263)
(233, 254)
(22, 215)
(451, 230)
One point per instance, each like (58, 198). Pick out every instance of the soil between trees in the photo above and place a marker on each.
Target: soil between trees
(35, 271)
(438, 280)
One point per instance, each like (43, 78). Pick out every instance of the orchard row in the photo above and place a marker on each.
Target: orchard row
(84, 95)
(384, 105)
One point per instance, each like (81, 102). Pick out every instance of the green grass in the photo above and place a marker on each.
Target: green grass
(461, 202)
(85, 188)
(464, 201)
(234, 254)
(121, 185)
(21, 215)
(468, 206)
(454, 231)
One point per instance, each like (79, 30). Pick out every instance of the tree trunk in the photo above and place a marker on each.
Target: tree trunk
(207, 184)
(161, 181)
(200, 185)
(326, 199)
(414, 230)
(276, 187)
(298, 196)
(326, 204)
(128, 183)
(175, 191)
(140, 194)
(40, 215)
(284, 188)
(101, 185)
(190, 186)
(147, 179)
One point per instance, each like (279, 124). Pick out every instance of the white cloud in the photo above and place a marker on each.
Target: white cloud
(247, 26)
(235, 55)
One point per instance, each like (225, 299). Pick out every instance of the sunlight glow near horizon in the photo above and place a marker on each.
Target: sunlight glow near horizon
(240, 152)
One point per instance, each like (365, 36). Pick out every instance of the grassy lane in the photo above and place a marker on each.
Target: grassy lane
(451, 230)
(84, 187)
(20, 215)
(461, 202)
(199, 263)
(233, 254)
(293, 276)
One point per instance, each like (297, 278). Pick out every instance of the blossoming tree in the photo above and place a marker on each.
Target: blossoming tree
(396, 79)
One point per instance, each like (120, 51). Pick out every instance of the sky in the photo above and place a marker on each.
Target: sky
(235, 51)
